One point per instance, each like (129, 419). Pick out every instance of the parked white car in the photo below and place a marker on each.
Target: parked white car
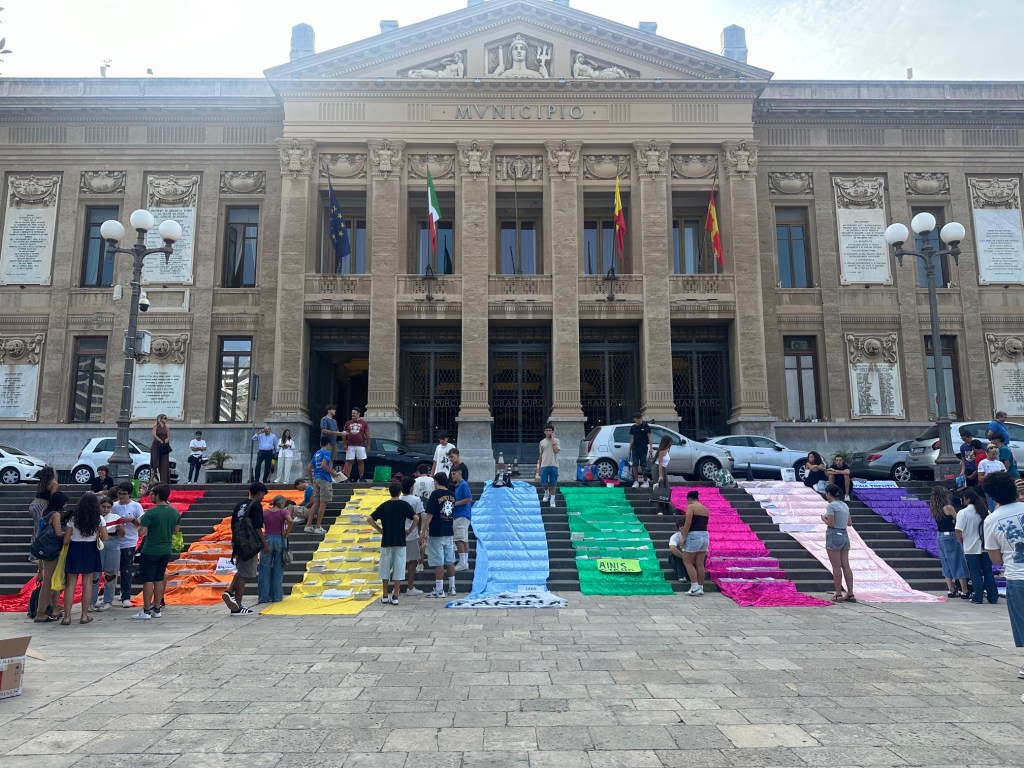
(97, 452)
(606, 446)
(766, 457)
(925, 449)
(17, 466)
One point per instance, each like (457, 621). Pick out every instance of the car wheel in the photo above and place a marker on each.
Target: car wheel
(10, 476)
(706, 469)
(143, 474)
(801, 470)
(82, 475)
(900, 473)
(606, 469)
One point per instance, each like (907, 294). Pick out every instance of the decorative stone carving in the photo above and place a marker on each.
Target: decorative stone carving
(520, 286)
(173, 192)
(448, 67)
(296, 157)
(243, 182)
(859, 192)
(102, 182)
(588, 68)
(21, 350)
(1005, 349)
(475, 157)
(994, 193)
(1006, 363)
(441, 166)
(564, 158)
(926, 183)
(166, 349)
(343, 165)
(386, 157)
(605, 166)
(790, 183)
(741, 158)
(519, 57)
(694, 166)
(871, 349)
(33, 191)
(519, 167)
(652, 157)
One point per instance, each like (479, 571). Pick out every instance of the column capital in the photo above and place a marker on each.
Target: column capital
(475, 158)
(386, 157)
(652, 157)
(740, 160)
(563, 158)
(297, 157)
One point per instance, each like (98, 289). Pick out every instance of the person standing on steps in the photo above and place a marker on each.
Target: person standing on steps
(456, 462)
(196, 448)
(547, 464)
(129, 512)
(160, 452)
(951, 551)
(329, 428)
(639, 448)
(246, 568)
(441, 461)
(837, 543)
(437, 533)
(322, 475)
(462, 514)
(285, 450)
(390, 520)
(266, 445)
(694, 534)
(357, 440)
(412, 535)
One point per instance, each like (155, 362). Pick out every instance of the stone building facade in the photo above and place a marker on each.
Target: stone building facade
(524, 114)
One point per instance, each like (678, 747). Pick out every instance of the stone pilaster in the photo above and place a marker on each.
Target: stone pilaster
(387, 216)
(738, 223)
(651, 204)
(474, 239)
(562, 247)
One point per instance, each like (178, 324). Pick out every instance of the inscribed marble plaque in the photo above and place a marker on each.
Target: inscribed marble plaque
(860, 225)
(177, 269)
(1000, 242)
(19, 392)
(876, 390)
(159, 388)
(30, 223)
(1008, 387)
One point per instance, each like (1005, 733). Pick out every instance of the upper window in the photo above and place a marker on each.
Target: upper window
(233, 378)
(441, 262)
(941, 277)
(600, 252)
(241, 242)
(97, 266)
(519, 255)
(801, 361)
(792, 246)
(949, 376)
(353, 210)
(90, 379)
(690, 252)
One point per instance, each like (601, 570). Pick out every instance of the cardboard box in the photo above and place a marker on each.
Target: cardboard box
(12, 666)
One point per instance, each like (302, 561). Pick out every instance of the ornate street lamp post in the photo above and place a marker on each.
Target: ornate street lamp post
(112, 231)
(952, 234)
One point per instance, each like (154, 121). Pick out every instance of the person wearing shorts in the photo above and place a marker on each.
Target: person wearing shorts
(322, 475)
(547, 464)
(158, 524)
(357, 438)
(694, 533)
(390, 520)
(438, 533)
(837, 543)
(251, 507)
(412, 535)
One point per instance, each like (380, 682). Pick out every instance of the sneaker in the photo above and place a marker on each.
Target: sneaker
(952, 594)
(33, 559)
(155, 613)
(847, 497)
(645, 484)
(461, 567)
(546, 497)
(243, 611)
(142, 616)
(552, 501)
(414, 591)
(297, 520)
(1020, 673)
(695, 590)
(126, 603)
(104, 606)
(394, 599)
(308, 529)
(229, 601)
(384, 600)
(435, 593)
(451, 593)
(636, 484)
(319, 530)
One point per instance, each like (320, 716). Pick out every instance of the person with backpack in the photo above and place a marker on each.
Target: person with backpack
(48, 544)
(247, 542)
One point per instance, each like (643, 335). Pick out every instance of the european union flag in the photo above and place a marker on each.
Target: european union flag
(337, 229)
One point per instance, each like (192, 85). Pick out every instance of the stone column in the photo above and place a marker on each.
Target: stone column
(737, 220)
(387, 215)
(562, 248)
(651, 204)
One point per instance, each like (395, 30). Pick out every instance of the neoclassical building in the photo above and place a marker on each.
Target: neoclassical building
(524, 113)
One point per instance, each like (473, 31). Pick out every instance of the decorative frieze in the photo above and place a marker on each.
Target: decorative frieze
(994, 193)
(386, 157)
(173, 192)
(475, 158)
(343, 165)
(741, 158)
(447, 67)
(586, 67)
(790, 183)
(694, 166)
(926, 183)
(243, 182)
(102, 182)
(519, 57)
(519, 167)
(17, 350)
(166, 349)
(605, 166)
(564, 158)
(296, 157)
(651, 157)
(439, 166)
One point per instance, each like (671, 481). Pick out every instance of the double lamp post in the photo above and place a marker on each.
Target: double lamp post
(112, 231)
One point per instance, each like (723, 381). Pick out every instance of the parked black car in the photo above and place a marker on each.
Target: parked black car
(390, 453)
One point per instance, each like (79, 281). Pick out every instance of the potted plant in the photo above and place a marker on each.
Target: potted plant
(215, 472)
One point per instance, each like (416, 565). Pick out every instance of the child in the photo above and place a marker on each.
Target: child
(301, 511)
(547, 464)
(462, 514)
(392, 516)
(441, 461)
(412, 536)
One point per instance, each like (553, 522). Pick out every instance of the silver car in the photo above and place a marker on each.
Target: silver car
(887, 461)
(925, 449)
(606, 446)
(766, 457)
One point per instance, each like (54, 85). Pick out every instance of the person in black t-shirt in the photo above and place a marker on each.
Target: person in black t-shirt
(457, 463)
(639, 447)
(815, 472)
(439, 535)
(838, 472)
(392, 516)
(251, 507)
(103, 482)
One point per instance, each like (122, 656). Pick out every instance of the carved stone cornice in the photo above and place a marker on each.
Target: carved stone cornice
(994, 193)
(343, 165)
(16, 350)
(874, 348)
(172, 191)
(741, 158)
(1005, 349)
(790, 183)
(386, 157)
(166, 349)
(926, 183)
(243, 182)
(605, 166)
(296, 157)
(519, 167)
(33, 191)
(694, 166)
(475, 157)
(563, 158)
(102, 182)
(651, 157)
(859, 192)
(440, 166)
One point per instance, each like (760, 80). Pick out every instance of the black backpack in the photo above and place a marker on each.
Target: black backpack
(46, 546)
(245, 541)
(502, 479)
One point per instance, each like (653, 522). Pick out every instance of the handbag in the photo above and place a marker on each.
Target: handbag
(163, 449)
(46, 546)
(286, 555)
(661, 494)
(99, 544)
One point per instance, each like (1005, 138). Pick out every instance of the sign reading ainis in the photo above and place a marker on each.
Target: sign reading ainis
(518, 112)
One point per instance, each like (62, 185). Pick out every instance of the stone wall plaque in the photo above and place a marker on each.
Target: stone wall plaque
(171, 197)
(1006, 358)
(860, 223)
(26, 254)
(19, 377)
(875, 386)
(997, 230)
(159, 388)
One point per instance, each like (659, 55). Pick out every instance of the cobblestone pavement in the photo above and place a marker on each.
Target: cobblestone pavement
(610, 681)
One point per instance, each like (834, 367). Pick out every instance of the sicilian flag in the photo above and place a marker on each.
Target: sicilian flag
(711, 225)
(433, 213)
(620, 221)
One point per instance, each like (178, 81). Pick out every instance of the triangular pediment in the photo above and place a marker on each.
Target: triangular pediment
(518, 40)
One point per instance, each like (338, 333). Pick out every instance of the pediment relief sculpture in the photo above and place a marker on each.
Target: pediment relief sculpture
(475, 157)
(102, 182)
(386, 157)
(694, 166)
(243, 182)
(166, 350)
(871, 349)
(440, 166)
(564, 158)
(296, 157)
(652, 157)
(519, 57)
(1005, 349)
(452, 66)
(586, 67)
(33, 191)
(994, 193)
(173, 191)
(16, 350)
(343, 165)
(859, 192)
(741, 158)
(927, 183)
(605, 166)
(791, 183)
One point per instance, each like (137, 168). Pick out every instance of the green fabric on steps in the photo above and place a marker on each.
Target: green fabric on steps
(605, 520)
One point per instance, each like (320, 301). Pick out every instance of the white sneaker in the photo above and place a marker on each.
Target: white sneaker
(155, 614)
(636, 484)
(552, 502)
(126, 603)
(319, 529)
(461, 567)
(435, 593)
(546, 497)
(104, 606)
(451, 593)
(847, 497)
(297, 520)
(142, 616)
(696, 590)
(645, 484)
(414, 592)
(1020, 673)
(308, 529)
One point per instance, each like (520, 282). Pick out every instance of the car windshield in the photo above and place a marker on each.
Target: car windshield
(881, 448)
(931, 434)
(593, 434)
(12, 451)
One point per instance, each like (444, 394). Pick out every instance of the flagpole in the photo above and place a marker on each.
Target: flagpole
(518, 263)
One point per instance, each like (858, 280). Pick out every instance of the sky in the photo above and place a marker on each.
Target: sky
(795, 39)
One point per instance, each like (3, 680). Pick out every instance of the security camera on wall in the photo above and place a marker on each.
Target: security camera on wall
(143, 302)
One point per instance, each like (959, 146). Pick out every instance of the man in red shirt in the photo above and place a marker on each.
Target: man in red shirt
(357, 440)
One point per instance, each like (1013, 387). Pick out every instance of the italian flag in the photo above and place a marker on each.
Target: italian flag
(433, 212)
